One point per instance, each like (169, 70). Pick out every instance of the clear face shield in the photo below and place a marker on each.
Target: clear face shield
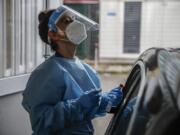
(74, 24)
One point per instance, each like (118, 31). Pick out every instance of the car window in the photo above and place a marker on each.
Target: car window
(120, 122)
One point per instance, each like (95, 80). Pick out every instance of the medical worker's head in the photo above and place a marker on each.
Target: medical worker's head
(63, 29)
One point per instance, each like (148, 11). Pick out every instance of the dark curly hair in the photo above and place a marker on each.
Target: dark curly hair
(43, 18)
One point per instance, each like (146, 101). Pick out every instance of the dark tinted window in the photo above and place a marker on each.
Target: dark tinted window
(121, 120)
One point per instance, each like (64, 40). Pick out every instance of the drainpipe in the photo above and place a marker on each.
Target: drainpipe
(46, 52)
(96, 58)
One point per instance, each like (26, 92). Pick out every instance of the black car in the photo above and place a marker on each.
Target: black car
(151, 104)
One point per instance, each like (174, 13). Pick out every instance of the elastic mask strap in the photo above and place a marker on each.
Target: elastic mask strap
(49, 40)
(59, 31)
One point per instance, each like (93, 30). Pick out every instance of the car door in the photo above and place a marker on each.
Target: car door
(133, 91)
(149, 107)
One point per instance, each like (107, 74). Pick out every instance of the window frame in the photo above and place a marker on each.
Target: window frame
(128, 95)
(1, 39)
(15, 79)
(139, 97)
(13, 84)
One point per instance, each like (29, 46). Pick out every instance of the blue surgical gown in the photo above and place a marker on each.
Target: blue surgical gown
(50, 95)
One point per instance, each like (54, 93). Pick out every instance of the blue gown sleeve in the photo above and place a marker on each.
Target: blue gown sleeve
(96, 112)
(42, 99)
(93, 74)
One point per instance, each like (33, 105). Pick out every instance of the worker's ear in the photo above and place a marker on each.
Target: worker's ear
(53, 35)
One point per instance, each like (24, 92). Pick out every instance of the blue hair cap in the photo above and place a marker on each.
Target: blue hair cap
(55, 15)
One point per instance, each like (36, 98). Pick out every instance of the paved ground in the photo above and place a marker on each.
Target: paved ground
(112, 65)
(109, 81)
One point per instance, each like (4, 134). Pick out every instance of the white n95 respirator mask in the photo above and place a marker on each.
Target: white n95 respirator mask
(76, 32)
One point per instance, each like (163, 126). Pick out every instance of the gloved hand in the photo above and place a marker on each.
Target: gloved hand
(115, 96)
(111, 99)
(89, 100)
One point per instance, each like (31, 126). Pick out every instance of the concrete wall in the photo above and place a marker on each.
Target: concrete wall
(160, 27)
(13, 119)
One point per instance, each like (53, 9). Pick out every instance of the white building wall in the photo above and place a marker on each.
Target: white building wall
(151, 25)
(160, 24)
(111, 25)
(172, 24)
(160, 27)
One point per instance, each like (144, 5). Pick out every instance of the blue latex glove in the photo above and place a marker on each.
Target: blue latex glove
(89, 100)
(111, 99)
(115, 96)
